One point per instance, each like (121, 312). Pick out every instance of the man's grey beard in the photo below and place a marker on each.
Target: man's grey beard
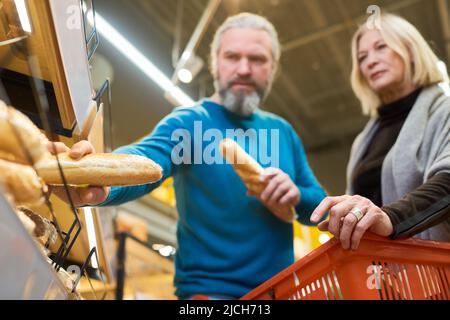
(242, 103)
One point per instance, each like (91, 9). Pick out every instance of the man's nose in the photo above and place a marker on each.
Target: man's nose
(244, 68)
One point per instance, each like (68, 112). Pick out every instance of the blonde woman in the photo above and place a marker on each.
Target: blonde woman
(398, 176)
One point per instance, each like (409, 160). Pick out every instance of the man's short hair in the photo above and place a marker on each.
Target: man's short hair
(245, 20)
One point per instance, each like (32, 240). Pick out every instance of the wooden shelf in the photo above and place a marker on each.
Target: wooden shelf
(40, 43)
(61, 55)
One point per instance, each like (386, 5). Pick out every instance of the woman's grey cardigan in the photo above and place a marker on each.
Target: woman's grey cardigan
(421, 151)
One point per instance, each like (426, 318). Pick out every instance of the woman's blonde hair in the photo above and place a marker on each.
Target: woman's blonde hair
(401, 36)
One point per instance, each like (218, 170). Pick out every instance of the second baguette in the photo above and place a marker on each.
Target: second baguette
(248, 170)
(243, 164)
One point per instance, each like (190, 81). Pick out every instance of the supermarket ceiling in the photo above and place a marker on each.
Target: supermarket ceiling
(312, 91)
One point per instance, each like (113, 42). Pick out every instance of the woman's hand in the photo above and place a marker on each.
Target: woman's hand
(89, 196)
(350, 217)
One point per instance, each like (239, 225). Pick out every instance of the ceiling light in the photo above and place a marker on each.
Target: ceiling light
(190, 69)
(139, 60)
(23, 15)
(185, 75)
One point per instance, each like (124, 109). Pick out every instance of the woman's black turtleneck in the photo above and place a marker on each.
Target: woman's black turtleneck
(415, 212)
(367, 173)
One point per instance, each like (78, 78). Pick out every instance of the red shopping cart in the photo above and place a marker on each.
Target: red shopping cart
(381, 269)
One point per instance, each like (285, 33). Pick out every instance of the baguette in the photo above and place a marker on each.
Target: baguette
(29, 224)
(43, 230)
(31, 227)
(248, 170)
(19, 136)
(22, 183)
(245, 166)
(100, 169)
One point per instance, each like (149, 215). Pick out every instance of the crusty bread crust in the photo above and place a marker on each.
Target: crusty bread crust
(22, 183)
(43, 229)
(29, 224)
(247, 169)
(13, 123)
(245, 166)
(100, 169)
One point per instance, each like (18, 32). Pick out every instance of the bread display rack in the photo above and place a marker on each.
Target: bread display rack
(26, 275)
(39, 60)
(56, 49)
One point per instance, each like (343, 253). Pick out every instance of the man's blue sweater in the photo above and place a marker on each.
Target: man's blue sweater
(228, 242)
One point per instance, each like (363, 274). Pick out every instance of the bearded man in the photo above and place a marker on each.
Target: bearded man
(229, 241)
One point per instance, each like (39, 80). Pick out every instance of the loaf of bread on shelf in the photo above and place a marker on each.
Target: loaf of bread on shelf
(29, 225)
(34, 229)
(20, 140)
(44, 230)
(22, 183)
(100, 169)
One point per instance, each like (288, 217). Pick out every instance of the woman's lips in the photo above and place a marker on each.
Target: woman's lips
(376, 75)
